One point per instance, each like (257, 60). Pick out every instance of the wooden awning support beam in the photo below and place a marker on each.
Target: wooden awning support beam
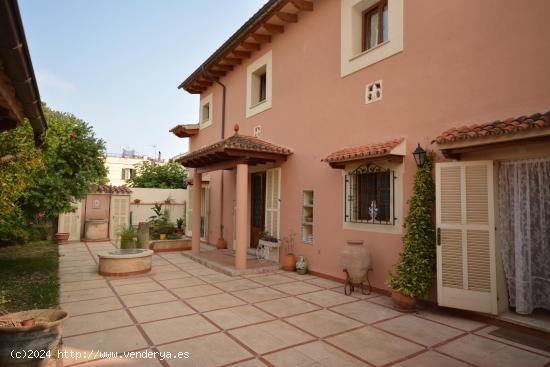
(302, 5)
(287, 17)
(274, 28)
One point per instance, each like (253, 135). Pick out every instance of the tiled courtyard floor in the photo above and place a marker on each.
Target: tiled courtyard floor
(281, 319)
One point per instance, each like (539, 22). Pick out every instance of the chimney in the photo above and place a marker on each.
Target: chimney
(159, 157)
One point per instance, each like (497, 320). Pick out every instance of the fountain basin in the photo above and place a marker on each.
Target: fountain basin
(125, 262)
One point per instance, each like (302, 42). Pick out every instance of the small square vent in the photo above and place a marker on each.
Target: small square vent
(373, 92)
(257, 131)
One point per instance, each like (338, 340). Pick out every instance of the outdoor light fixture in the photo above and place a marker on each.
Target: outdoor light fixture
(419, 156)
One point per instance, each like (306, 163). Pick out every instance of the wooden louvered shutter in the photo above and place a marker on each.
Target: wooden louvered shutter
(70, 223)
(272, 204)
(189, 221)
(466, 275)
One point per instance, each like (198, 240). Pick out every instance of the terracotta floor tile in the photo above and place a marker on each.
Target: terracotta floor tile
(431, 359)
(171, 275)
(207, 351)
(326, 298)
(250, 363)
(79, 277)
(91, 306)
(288, 306)
(295, 288)
(302, 277)
(270, 336)
(323, 322)
(422, 331)
(89, 284)
(95, 322)
(139, 279)
(237, 285)
(217, 278)
(366, 312)
(137, 288)
(85, 294)
(196, 291)
(317, 354)
(486, 352)
(229, 318)
(139, 299)
(165, 331)
(451, 320)
(374, 346)
(259, 294)
(214, 302)
(383, 301)
(158, 269)
(486, 333)
(160, 311)
(181, 282)
(117, 340)
(325, 283)
(130, 361)
(273, 279)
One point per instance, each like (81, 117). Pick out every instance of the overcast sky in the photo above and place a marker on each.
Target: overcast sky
(117, 63)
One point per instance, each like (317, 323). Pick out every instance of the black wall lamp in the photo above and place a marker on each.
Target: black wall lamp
(419, 156)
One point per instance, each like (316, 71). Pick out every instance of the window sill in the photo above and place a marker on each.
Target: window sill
(362, 53)
(257, 104)
(203, 125)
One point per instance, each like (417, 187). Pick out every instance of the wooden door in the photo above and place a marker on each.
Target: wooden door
(120, 215)
(70, 223)
(257, 212)
(272, 201)
(466, 266)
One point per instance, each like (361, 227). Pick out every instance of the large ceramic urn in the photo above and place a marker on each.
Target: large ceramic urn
(356, 260)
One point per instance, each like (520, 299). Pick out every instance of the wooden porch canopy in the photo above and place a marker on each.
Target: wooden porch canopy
(237, 149)
(389, 150)
(512, 131)
(185, 130)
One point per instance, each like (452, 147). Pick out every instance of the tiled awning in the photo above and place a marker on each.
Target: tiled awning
(185, 130)
(231, 151)
(385, 150)
(454, 141)
(108, 189)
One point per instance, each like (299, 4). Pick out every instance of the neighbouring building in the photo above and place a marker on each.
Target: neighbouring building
(122, 167)
(331, 98)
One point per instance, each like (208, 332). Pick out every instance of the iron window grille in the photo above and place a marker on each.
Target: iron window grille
(369, 195)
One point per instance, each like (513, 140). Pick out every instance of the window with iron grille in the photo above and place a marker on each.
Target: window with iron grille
(369, 195)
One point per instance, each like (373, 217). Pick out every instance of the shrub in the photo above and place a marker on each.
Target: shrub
(128, 237)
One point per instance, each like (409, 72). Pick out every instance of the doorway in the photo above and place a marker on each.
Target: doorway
(257, 212)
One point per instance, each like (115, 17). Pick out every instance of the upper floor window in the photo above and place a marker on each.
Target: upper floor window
(259, 85)
(205, 112)
(375, 25)
(127, 173)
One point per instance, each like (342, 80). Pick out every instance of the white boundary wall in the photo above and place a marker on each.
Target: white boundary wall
(148, 197)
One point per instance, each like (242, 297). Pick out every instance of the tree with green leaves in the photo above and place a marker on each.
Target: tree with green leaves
(69, 164)
(413, 274)
(171, 175)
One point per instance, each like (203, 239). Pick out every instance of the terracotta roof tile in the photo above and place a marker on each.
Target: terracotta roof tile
(507, 127)
(185, 130)
(108, 189)
(363, 151)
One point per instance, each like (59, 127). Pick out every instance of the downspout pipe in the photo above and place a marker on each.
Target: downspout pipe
(222, 137)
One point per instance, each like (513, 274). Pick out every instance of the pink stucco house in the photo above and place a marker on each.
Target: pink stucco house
(332, 96)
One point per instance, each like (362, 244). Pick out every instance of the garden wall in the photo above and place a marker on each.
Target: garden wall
(140, 212)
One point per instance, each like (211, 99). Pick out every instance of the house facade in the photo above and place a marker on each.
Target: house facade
(310, 112)
(122, 167)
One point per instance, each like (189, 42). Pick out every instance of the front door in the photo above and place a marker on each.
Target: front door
(466, 265)
(257, 220)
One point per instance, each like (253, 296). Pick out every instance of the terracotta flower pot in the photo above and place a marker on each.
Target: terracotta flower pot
(402, 302)
(61, 237)
(162, 236)
(221, 244)
(289, 262)
(356, 260)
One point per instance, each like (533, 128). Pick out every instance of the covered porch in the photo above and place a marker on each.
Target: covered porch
(237, 152)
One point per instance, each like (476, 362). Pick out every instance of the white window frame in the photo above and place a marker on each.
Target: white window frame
(253, 107)
(205, 101)
(352, 57)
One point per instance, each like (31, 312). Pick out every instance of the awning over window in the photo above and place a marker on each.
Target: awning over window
(185, 130)
(392, 149)
(234, 150)
(522, 129)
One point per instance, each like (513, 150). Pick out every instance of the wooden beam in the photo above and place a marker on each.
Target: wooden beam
(287, 17)
(203, 84)
(273, 28)
(232, 60)
(303, 5)
(241, 54)
(251, 46)
(7, 92)
(262, 38)
(217, 72)
(220, 165)
(223, 67)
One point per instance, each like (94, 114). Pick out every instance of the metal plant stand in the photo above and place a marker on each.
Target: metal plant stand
(349, 287)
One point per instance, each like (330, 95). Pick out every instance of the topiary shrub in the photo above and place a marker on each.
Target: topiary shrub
(413, 274)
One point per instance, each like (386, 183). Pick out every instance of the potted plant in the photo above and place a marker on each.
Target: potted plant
(222, 243)
(289, 261)
(412, 275)
(160, 222)
(61, 237)
(179, 225)
(128, 237)
(137, 201)
(36, 330)
(168, 200)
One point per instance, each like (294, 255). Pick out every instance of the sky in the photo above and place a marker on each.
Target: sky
(117, 63)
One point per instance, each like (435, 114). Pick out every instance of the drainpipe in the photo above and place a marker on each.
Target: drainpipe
(223, 137)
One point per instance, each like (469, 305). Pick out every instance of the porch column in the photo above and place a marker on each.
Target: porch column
(196, 192)
(242, 215)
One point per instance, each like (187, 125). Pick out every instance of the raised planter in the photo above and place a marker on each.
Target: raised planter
(42, 336)
(273, 250)
(125, 262)
(61, 237)
(171, 245)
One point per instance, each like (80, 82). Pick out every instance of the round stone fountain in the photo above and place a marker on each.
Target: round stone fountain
(124, 262)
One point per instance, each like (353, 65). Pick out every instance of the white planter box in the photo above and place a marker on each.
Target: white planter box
(273, 253)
